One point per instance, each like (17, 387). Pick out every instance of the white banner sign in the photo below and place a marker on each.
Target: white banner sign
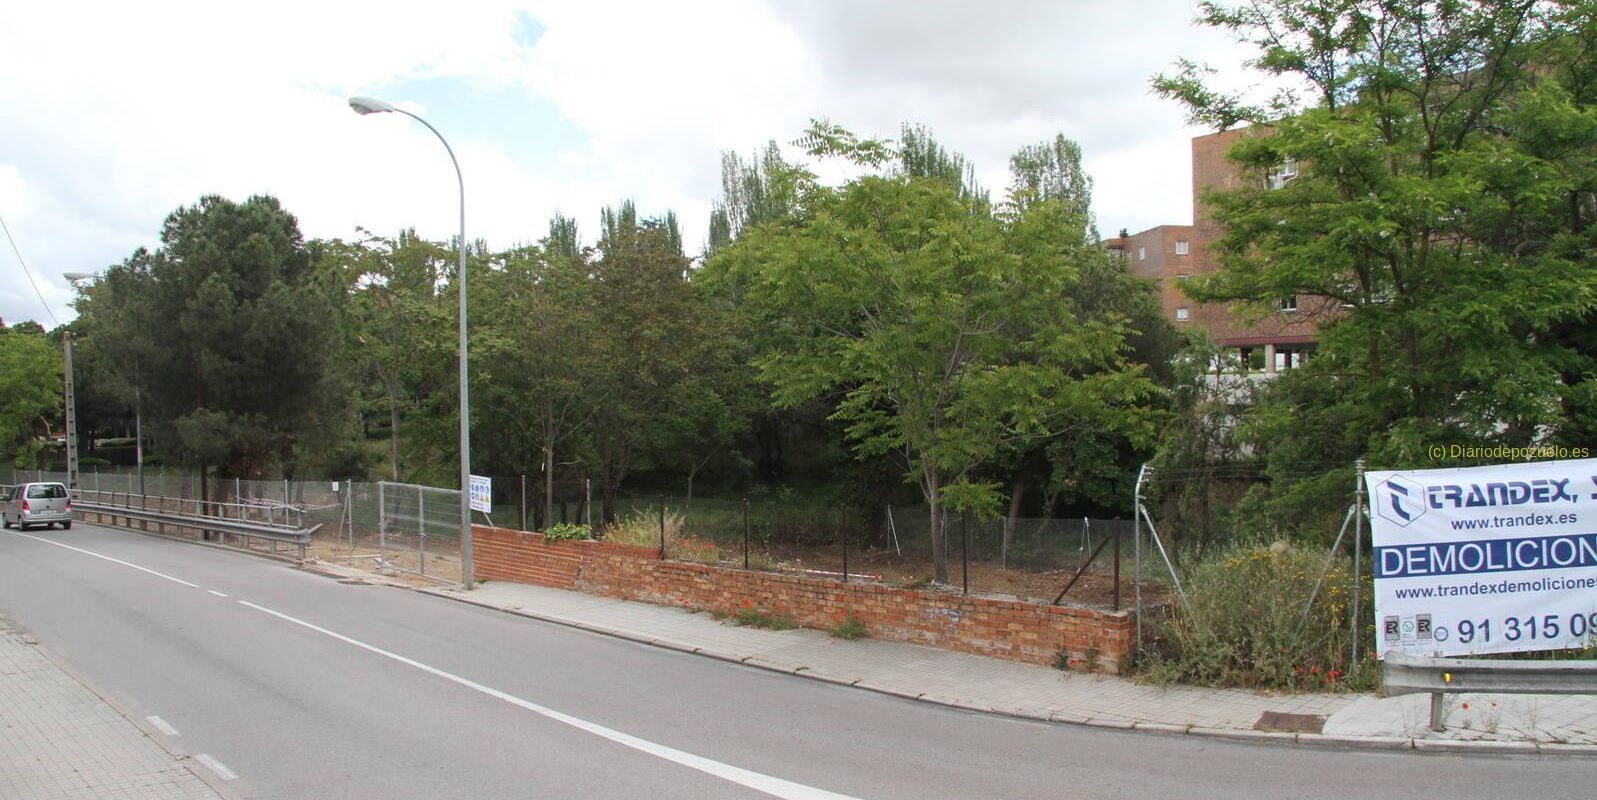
(482, 494)
(1485, 559)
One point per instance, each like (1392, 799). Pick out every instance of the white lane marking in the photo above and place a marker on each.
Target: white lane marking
(217, 767)
(163, 726)
(215, 592)
(107, 558)
(768, 784)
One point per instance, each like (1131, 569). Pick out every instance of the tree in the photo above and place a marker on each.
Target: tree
(943, 332)
(539, 338)
(233, 328)
(392, 308)
(30, 388)
(1443, 209)
(656, 333)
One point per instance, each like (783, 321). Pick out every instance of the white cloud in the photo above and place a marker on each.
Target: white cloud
(118, 113)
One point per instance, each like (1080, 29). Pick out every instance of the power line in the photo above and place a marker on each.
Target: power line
(28, 272)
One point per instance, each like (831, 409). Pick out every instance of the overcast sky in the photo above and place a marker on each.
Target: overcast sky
(117, 113)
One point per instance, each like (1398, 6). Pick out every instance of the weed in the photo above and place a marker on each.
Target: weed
(762, 562)
(850, 628)
(1089, 659)
(751, 617)
(915, 582)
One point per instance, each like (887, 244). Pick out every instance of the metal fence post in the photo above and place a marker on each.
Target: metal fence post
(662, 528)
(382, 523)
(964, 548)
(523, 501)
(745, 533)
(421, 523)
(587, 501)
(1136, 543)
(842, 533)
(1358, 552)
(1116, 534)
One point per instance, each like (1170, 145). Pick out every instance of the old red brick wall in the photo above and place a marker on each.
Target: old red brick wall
(1010, 629)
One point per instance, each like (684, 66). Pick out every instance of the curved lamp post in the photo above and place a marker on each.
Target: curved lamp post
(367, 105)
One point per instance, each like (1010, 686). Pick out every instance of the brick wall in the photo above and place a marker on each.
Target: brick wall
(1010, 629)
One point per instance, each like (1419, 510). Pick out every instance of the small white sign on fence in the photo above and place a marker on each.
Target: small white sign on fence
(482, 494)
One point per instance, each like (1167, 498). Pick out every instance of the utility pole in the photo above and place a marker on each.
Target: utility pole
(71, 413)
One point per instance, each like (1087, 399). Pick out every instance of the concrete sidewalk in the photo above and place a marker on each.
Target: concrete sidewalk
(58, 739)
(1476, 723)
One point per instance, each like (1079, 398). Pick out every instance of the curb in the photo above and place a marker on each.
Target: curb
(1241, 735)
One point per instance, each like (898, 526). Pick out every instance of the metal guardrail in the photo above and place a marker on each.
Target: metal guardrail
(1408, 674)
(156, 510)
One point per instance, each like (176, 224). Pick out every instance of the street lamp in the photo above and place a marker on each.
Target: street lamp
(367, 105)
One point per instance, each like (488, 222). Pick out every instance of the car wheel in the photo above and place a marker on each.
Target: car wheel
(66, 526)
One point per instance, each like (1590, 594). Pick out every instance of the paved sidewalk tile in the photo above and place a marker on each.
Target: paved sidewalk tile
(58, 739)
(970, 681)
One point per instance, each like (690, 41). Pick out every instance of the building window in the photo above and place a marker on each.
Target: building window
(1183, 276)
(1289, 303)
(1142, 253)
(1282, 174)
(1181, 247)
(1181, 315)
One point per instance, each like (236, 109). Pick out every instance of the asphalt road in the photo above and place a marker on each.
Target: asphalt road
(310, 688)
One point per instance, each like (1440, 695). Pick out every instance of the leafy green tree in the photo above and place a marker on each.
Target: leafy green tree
(234, 331)
(656, 333)
(392, 308)
(1442, 210)
(30, 390)
(944, 333)
(539, 340)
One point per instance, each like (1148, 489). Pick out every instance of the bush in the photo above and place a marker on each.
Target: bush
(1245, 625)
(564, 531)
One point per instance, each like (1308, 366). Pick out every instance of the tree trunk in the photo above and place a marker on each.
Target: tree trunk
(393, 434)
(548, 482)
(1016, 491)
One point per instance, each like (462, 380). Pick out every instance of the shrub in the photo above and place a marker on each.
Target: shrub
(850, 628)
(762, 561)
(1245, 624)
(564, 531)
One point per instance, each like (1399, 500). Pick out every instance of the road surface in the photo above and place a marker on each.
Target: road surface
(305, 687)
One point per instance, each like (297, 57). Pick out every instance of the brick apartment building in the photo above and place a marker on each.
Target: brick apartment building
(1171, 254)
